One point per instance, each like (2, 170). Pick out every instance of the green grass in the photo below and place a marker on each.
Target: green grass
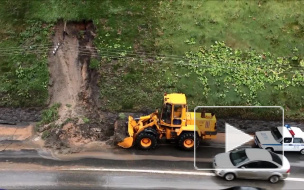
(223, 82)
(133, 36)
(262, 33)
(49, 115)
(274, 26)
(185, 26)
(23, 64)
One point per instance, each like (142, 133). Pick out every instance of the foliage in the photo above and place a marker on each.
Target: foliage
(49, 115)
(302, 63)
(26, 31)
(217, 75)
(122, 116)
(145, 49)
(24, 74)
(267, 26)
(45, 134)
(86, 120)
(94, 64)
(247, 72)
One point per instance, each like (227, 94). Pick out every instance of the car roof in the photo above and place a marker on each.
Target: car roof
(258, 154)
(298, 132)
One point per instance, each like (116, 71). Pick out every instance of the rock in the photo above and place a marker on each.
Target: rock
(120, 131)
(97, 130)
(110, 141)
(65, 151)
(45, 127)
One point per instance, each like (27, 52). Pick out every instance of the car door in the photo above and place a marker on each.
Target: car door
(266, 169)
(288, 145)
(248, 170)
(298, 144)
(256, 170)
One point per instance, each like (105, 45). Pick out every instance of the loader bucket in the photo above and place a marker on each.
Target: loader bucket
(128, 141)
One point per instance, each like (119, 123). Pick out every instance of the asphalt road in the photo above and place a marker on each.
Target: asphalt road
(164, 168)
(134, 179)
(123, 180)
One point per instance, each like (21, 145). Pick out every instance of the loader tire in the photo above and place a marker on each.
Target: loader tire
(186, 141)
(146, 141)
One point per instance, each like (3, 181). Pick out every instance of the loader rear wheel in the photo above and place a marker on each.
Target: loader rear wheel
(146, 141)
(186, 141)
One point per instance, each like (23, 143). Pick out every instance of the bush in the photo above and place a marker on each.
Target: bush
(50, 115)
(122, 116)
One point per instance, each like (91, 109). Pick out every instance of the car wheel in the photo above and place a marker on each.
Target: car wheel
(302, 151)
(269, 149)
(274, 179)
(229, 176)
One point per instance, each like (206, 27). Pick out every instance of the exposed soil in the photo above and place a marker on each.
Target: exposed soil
(15, 133)
(69, 71)
(73, 84)
(18, 137)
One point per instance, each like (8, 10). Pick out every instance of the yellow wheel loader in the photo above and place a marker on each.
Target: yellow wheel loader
(174, 124)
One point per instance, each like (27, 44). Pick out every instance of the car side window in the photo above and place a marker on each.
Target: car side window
(287, 140)
(260, 164)
(251, 165)
(297, 140)
(265, 164)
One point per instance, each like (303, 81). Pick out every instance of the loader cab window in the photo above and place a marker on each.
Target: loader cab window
(166, 114)
(177, 114)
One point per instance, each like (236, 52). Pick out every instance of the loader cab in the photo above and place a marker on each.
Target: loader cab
(174, 110)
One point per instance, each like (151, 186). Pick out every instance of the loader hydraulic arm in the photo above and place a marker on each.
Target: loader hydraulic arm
(135, 127)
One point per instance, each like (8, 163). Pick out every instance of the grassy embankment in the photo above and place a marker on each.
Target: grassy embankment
(259, 64)
(145, 51)
(23, 56)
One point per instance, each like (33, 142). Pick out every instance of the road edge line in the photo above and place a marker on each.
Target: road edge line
(142, 171)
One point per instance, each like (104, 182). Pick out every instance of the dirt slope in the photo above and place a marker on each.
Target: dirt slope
(67, 73)
(74, 85)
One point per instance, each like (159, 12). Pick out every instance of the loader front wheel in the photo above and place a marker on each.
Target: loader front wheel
(146, 141)
(186, 141)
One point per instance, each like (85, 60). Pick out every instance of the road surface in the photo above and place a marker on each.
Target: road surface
(163, 168)
(124, 180)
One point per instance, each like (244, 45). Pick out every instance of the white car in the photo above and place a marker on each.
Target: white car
(251, 163)
(281, 138)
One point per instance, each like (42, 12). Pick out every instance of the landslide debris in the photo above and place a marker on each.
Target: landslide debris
(73, 86)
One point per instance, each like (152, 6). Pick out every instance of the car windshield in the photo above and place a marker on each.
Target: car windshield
(238, 157)
(276, 134)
